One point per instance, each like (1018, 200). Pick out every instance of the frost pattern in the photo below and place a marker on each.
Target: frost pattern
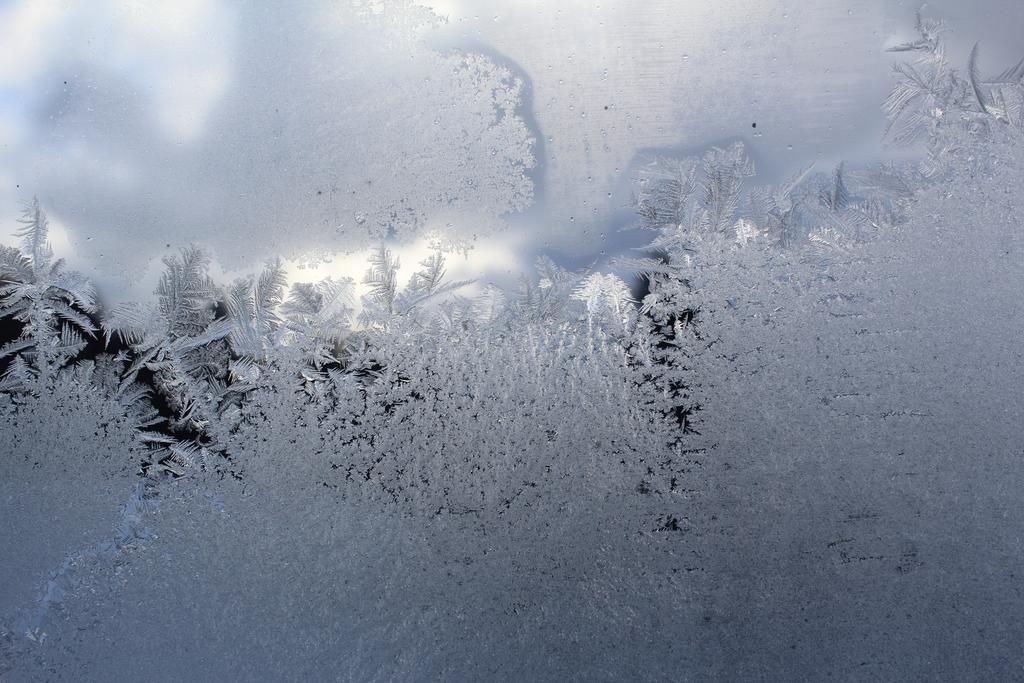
(557, 480)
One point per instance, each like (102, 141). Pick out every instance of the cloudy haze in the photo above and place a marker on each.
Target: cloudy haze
(304, 133)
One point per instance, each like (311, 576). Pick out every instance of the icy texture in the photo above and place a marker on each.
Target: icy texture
(797, 456)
